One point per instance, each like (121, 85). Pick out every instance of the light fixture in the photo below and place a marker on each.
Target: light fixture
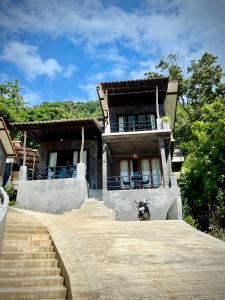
(134, 155)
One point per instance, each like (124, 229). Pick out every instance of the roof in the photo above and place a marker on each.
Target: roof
(60, 129)
(5, 139)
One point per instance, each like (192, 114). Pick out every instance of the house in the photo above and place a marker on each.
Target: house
(137, 146)
(126, 155)
(69, 164)
(7, 150)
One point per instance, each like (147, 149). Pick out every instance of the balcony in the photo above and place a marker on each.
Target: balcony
(139, 181)
(133, 126)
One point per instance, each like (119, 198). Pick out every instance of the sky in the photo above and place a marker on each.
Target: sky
(60, 49)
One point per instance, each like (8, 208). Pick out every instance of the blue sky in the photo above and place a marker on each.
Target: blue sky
(60, 49)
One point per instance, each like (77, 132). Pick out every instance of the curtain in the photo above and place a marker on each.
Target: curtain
(145, 168)
(151, 119)
(52, 159)
(75, 158)
(52, 164)
(124, 172)
(156, 172)
(84, 157)
(121, 124)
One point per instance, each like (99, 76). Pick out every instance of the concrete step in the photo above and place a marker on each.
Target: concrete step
(27, 248)
(28, 263)
(17, 272)
(33, 293)
(20, 236)
(31, 281)
(24, 255)
(22, 226)
(25, 230)
(31, 243)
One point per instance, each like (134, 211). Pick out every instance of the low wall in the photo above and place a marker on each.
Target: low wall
(4, 201)
(164, 203)
(53, 196)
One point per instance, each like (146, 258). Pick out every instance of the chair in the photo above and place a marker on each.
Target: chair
(126, 184)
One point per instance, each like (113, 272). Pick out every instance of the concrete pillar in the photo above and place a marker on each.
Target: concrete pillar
(104, 167)
(169, 167)
(164, 164)
(81, 171)
(23, 173)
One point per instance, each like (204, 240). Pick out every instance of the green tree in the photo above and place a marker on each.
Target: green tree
(203, 177)
(11, 102)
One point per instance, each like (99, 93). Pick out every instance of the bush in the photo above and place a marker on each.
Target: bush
(10, 190)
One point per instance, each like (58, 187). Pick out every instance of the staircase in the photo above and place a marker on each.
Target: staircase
(94, 209)
(28, 267)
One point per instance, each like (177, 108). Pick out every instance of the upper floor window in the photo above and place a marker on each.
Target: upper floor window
(138, 122)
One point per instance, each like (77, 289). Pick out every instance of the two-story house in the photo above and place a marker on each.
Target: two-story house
(139, 121)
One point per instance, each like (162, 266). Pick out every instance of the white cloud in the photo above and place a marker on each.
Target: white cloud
(27, 59)
(90, 90)
(31, 97)
(69, 71)
(156, 27)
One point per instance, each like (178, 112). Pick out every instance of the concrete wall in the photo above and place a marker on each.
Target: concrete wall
(53, 196)
(161, 200)
(91, 145)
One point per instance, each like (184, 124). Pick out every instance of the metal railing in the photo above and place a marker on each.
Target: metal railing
(134, 182)
(133, 126)
(58, 172)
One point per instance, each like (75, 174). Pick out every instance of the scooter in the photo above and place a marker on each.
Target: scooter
(143, 211)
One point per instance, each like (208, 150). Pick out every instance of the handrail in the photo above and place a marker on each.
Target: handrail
(133, 126)
(57, 172)
(139, 181)
(4, 202)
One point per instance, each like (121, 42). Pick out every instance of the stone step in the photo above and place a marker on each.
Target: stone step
(19, 243)
(28, 263)
(33, 293)
(24, 255)
(20, 236)
(13, 272)
(14, 282)
(27, 248)
(25, 230)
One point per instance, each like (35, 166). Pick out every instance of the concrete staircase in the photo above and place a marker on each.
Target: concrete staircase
(94, 209)
(28, 265)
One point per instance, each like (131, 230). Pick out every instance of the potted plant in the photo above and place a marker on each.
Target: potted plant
(165, 122)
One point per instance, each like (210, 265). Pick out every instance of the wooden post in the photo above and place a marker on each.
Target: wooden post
(24, 148)
(157, 101)
(82, 144)
(33, 164)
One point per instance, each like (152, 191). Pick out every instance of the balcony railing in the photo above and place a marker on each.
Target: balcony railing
(134, 182)
(133, 126)
(58, 172)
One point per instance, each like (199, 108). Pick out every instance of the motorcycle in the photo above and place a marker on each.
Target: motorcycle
(143, 211)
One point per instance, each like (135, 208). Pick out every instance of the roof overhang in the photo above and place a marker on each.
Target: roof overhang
(60, 129)
(6, 140)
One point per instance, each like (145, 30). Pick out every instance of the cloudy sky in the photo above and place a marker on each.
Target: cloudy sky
(60, 49)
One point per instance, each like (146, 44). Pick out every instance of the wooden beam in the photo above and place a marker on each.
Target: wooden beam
(24, 148)
(82, 144)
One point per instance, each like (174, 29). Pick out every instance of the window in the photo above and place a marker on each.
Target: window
(136, 122)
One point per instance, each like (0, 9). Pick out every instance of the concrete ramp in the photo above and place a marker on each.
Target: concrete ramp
(137, 260)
